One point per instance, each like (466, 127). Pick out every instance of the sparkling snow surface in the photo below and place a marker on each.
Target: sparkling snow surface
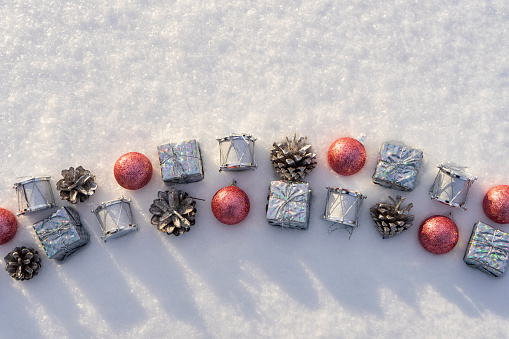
(83, 82)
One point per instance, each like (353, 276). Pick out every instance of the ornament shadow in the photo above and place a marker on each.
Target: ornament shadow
(33, 303)
(164, 278)
(225, 265)
(104, 285)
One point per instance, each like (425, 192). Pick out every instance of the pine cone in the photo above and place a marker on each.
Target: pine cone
(173, 212)
(389, 219)
(77, 185)
(292, 159)
(22, 263)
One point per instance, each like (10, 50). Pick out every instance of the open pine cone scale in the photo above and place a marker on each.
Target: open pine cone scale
(77, 184)
(389, 219)
(22, 263)
(292, 159)
(173, 212)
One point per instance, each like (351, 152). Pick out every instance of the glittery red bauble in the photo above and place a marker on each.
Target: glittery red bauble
(8, 226)
(438, 234)
(133, 170)
(496, 204)
(346, 156)
(230, 205)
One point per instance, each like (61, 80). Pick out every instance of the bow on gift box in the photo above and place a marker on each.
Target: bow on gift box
(400, 157)
(289, 202)
(173, 159)
(491, 248)
(170, 159)
(397, 166)
(53, 238)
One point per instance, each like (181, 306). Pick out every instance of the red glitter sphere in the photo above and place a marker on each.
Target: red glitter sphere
(438, 234)
(496, 204)
(230, 205)
(346, 156)
(8, 226)
(133, 170)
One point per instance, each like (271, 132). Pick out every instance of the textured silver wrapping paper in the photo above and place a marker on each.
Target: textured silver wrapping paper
(62, 233)
(236, 152)
(342, 207)
(397, 167)
(115, 218)
(488, 249)
(34, 195)
(451, 186)
(180, 162)
(289, 204)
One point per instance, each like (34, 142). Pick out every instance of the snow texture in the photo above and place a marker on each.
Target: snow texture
(83, 82)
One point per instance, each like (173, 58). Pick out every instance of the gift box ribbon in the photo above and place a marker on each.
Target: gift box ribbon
(398, 164)
(175, 159)
(290, 202)
(57, 236)
(491, 247)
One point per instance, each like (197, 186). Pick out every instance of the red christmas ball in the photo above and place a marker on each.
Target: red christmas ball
(8, 225)
(133, 170)
(438, 234)
(496, 204)
(346, 156)
(230, 205)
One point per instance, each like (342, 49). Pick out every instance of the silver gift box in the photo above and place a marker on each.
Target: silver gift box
(115, 218)
(34, 195)
(397, 166)
(488, 249)
(236, 152)
(342, 207)
(451, 186)
(62, 233)
(180, 162)
(289, 204)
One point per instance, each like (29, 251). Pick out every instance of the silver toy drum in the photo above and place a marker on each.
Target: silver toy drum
(34, 195)
(236, 152)
(343, 206)
(115, 218)
(451, 186)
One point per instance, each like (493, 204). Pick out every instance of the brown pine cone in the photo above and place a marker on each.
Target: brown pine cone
(22, 263)
(77, 185)
(173, 212)
(389, 219)
(293, 159)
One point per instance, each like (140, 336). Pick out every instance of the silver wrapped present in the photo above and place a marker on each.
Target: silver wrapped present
(62, 233)
(115, 218)
(289, 204)
(451, 186)
(236, 152)
(488, 249)
(180, 162)
(34, 195)
(342, 207)
(397, 166)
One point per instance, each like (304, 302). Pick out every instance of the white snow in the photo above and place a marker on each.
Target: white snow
(84, 82)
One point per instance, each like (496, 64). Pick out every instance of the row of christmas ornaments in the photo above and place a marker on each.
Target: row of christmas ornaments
(174, 211)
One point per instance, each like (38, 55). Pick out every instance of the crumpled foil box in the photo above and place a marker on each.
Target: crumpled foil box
(62, 233)
(397, 166)
(488, 249)
(289, 204)
(180, 162)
